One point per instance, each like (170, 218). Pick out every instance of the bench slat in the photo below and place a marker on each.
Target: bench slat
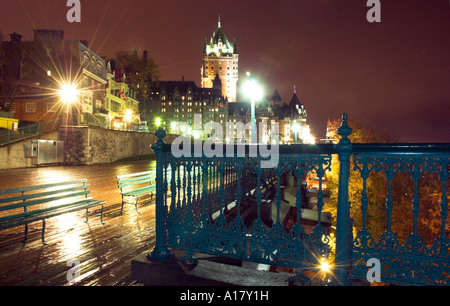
(135, 182)
(37, 211)
(138, 191)
(45, 200)
(70, 196)
(120, 177)
(45, 186)
(19, 219)
(41, 194)
(135, 178)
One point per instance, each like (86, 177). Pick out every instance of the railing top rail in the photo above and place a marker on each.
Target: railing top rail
(250, 148)
(382, 149)
(402, 149)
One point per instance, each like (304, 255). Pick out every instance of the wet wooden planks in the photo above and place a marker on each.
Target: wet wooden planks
(104, 252)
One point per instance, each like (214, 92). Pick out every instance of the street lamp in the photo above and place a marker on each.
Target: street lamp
(255, 93)
(295, 129)
(158, 122)
(68, 94)
(128, 114)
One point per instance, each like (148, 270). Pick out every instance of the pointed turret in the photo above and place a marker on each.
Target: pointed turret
(276, 98)
(220, 63)
(295, 108)
(219, 43)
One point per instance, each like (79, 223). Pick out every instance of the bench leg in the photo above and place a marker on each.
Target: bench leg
(26, 234)
(43, 230)
(135, 204)
(87, 216)
(101, 216)
(121, 209)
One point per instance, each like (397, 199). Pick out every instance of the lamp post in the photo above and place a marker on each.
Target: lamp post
(295, 129)
(254, 92)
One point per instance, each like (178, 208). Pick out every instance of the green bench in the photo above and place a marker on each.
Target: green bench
(135, 185)
(24, 205)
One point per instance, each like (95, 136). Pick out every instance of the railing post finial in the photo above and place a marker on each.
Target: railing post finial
(344, 130)
(343, 234)
(160, 134)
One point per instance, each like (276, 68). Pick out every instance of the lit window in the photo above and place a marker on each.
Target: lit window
(30, 107)
(51, 107)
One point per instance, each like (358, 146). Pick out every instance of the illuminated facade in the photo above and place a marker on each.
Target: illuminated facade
(220, 58)
(176, 103)
(42, 66)
(120, 100)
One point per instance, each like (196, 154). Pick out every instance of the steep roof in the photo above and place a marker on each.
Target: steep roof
(238, 108)
(295, 107)
(218, 37)
(183, 88)
(276, 96)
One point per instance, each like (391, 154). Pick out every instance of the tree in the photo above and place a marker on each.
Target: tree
(139, 71)
(376, 218)
(429, 191)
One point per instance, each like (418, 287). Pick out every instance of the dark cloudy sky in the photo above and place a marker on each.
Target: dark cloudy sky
(394, 74)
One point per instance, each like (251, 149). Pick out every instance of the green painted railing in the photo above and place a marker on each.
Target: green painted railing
(211, 199)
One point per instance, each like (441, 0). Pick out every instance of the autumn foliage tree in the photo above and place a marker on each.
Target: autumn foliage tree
(140, 71)
(429, 190)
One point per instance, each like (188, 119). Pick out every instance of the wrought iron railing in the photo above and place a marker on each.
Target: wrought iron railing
(203, 204)
(32, 130)
(419, 173)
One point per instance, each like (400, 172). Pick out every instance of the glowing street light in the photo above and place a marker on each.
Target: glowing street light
(158, 122)
(68, 93)
(255, 93)
(128, 113)
(324, 265)
(295, 129)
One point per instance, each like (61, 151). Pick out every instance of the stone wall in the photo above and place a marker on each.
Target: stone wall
(93, 145)
(14, 155)
(84, 146)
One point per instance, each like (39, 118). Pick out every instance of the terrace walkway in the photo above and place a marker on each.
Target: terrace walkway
(104, 252)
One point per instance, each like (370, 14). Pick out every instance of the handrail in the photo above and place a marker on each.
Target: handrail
(234, 174)
(249, 148)
(402, 149)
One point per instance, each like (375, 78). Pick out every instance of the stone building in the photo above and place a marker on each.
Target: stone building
(174, 104)
(33, 73)
(220, 58)
(120, 100)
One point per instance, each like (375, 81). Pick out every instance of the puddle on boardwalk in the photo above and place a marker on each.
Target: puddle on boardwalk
(103, 186)
(100, 177)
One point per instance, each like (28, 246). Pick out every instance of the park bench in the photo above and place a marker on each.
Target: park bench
(24, 205)
(135, 185)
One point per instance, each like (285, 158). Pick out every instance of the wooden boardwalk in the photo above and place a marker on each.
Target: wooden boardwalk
(103, 251)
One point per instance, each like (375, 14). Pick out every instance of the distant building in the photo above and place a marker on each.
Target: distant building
(175, 103)
(34, 72)
(220, 58)
(120, 99)
(290, 117)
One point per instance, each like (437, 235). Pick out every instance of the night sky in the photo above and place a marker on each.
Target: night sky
(394, 74)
